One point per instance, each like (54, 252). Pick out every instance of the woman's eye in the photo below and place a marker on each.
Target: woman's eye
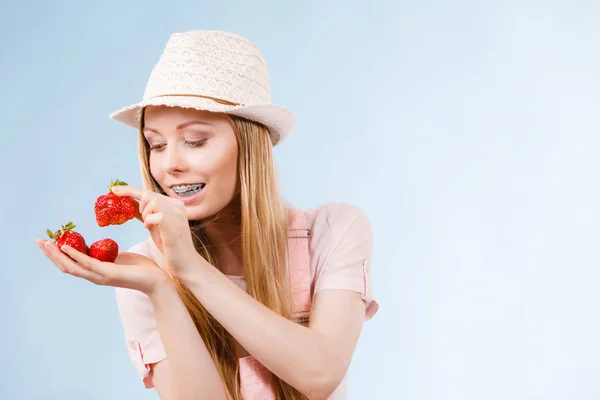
(196, 143)
(156, 147)
(191, 143)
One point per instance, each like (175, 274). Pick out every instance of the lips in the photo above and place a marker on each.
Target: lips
(189, 199)
(183, 190)
(187, 184)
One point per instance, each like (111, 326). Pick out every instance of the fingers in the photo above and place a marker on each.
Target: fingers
(137, 213)
(153, 220)
(68, 265)
(86, 262)
(149, 208)
(143, 205)
(144, 201)
(142, 198)
(129, 191)
(151, 203)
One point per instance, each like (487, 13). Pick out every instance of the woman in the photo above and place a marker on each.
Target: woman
(234, 295)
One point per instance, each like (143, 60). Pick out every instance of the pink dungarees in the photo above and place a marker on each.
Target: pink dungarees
(254, 377)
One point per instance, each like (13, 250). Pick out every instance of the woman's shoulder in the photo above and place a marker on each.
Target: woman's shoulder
(142, 247)
(146, 248)
(337, 216)
(340, 250)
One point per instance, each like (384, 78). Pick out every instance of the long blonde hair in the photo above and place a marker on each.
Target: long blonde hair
(264, 236)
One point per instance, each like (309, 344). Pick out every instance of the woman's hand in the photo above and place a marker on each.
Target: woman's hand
(130, 270)
(166, 219)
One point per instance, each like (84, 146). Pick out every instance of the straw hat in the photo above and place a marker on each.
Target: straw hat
(213, 71)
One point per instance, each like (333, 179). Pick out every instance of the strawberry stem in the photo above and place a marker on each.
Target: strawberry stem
(64, 228)
(116, 183)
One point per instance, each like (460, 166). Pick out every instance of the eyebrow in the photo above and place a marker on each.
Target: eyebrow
(181, 126)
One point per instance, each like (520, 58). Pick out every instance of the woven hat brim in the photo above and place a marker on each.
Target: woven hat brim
(278, 119)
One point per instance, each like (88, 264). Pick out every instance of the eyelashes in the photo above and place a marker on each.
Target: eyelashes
(194, 144)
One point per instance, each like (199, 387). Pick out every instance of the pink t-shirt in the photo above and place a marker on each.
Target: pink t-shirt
(340, 258)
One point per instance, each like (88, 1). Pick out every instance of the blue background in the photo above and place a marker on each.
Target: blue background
(467, 131)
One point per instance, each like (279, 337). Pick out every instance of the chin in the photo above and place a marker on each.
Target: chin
(195, 212)
(198, 212)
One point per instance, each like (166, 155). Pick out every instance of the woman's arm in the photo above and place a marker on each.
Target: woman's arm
(313, 360)
(189, 369)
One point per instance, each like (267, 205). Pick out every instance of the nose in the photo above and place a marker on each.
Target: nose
(173, 160)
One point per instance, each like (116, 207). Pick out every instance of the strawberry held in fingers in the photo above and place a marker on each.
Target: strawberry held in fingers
(111, 209)
(104, 250)
(66, 235)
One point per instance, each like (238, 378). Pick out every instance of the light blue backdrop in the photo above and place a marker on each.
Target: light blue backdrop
(467, 130)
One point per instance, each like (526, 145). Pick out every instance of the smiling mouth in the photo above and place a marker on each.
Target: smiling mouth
(188, 190)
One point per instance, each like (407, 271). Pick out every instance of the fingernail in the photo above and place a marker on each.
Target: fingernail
(48, 245)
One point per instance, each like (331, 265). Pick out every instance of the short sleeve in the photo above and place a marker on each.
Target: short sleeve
(341, 247)
(140, 327)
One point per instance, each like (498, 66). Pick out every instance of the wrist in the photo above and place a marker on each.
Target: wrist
(161, 286)
(199, 274)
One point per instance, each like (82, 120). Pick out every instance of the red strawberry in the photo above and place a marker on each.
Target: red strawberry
(68, 236)
(104, 250)
(111, 209)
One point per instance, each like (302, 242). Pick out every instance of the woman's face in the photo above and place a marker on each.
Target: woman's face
(193, 157)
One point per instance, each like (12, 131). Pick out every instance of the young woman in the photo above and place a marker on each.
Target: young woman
(234, 294)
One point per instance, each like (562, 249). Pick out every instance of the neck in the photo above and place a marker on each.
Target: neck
(224, 231)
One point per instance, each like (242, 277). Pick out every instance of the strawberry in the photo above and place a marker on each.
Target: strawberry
(104, 250)
(68, 236)
(111, 209)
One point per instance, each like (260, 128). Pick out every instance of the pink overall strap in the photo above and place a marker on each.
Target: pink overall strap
(299, 256)
(254, 377)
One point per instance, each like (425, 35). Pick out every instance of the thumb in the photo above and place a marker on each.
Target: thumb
(137, 213)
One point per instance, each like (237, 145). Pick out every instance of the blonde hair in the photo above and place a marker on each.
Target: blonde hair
(264, 249)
